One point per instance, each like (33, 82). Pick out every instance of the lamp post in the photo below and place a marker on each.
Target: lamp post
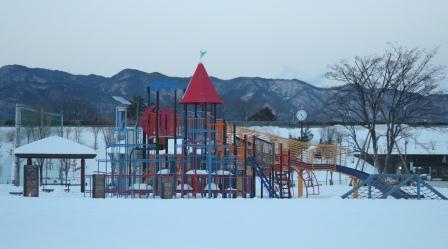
(406, 154)
(301, 116)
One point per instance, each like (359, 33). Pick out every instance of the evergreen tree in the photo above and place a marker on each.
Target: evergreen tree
(307, 135)
(136, 108)
(265, 114)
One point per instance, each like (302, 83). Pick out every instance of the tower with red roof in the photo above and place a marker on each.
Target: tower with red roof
(199, 128)
(201, 93)
(200, 90)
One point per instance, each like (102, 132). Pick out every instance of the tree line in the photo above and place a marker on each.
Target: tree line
(387, 88)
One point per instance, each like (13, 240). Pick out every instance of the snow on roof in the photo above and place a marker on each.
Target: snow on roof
(55, 145)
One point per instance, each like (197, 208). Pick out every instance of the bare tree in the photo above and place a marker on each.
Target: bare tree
(414, 80)
(66, 166)
(389, 88)
(37, 125)
(28, 132)
(95, 131)
(78, 132)
(10, 135)
(67, 132)
(328, 135)
(42, 130)
(108, 135)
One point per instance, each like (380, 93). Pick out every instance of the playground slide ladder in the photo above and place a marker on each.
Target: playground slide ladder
(264, 180)
(311, 183)
(309, 180)
(283, 183)
(306, 172)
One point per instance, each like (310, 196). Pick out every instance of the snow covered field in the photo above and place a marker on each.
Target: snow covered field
(68, 220)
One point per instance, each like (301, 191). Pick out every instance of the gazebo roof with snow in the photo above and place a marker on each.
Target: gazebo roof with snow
(200, 90)
(55, 147)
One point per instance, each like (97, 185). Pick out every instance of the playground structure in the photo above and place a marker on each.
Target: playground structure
(398, 186)
(188, 151)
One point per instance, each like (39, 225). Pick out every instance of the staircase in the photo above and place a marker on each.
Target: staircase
(283, 183)
(306, 171)
(310, 182)
(264, 179)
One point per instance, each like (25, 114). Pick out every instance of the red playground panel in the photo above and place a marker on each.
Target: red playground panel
(166, 122)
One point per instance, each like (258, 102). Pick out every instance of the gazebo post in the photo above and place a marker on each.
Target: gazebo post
(28, 162)
(83, 176)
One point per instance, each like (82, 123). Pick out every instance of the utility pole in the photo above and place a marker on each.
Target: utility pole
(301, 130)
(18, 124)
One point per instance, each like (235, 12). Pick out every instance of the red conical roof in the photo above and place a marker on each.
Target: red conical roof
(200, 90)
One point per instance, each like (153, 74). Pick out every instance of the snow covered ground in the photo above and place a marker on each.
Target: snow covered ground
(68, 220)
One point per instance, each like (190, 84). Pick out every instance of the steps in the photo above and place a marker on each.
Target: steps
(264, 180)
(283, 182)
(305, 171)
(310, 182)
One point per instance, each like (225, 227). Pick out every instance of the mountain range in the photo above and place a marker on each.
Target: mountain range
(81, 95)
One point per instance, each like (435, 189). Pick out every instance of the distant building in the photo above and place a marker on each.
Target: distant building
(425, 151)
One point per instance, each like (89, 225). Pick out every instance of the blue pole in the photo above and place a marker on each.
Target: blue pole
(418, 187)
(154, 178)
(209, 169)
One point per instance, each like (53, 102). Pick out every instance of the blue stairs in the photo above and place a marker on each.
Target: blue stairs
(264, 180)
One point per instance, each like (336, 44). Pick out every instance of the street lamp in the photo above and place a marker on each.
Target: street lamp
(301, 116)
(406, 152)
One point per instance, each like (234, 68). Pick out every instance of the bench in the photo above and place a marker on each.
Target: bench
(48, 190)
(16, 193)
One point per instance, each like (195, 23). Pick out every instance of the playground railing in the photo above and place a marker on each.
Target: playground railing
(182, 185)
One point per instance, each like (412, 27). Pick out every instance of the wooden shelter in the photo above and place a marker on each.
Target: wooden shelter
(55, 147)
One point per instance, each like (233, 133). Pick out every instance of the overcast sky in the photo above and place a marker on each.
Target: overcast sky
(277, 39)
